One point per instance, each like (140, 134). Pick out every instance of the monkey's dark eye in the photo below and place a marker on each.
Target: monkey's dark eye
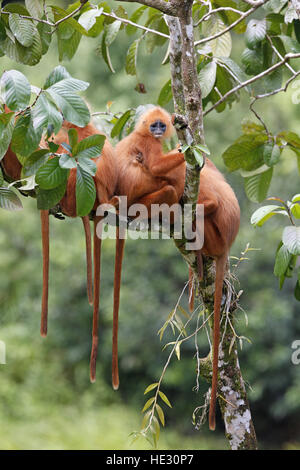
(158, 128)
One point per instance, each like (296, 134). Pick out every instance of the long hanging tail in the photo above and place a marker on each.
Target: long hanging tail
(220, 273)
(120, 243)
(97, 256)
(89, 267)
(45, 247)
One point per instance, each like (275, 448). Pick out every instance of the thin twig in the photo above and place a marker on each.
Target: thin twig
(271, 69)
(136, 25)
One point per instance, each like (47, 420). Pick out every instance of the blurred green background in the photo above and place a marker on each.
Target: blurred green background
(46, 399)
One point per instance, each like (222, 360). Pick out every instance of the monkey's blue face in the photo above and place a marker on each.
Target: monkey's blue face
(158, 128)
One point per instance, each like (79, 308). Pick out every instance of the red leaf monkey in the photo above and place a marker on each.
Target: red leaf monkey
(221, 225)
(147, 176)
(105, 181)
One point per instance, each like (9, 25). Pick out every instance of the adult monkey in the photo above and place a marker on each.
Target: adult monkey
(148, 176)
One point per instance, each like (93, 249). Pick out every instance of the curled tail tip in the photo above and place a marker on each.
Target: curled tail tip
(92, 379)
(43, 333)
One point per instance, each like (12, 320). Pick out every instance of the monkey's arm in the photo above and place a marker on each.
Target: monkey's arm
(160, 165)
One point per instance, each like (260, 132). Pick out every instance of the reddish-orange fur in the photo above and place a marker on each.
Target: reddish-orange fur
(146, 176)
(105, 182)
(221, 224)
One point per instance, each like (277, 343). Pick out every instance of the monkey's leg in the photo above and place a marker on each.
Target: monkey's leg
(95, 337)
(45, 247)
(89, 268)
(166, 195)
(120, 243)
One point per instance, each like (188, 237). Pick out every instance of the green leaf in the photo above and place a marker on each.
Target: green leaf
(22, 29)
(73, 137)
(148, 404)
(291, 239)
(112, 32)
(245, 153)
(165, 94)
(271, 154)
(202, 148)
(290, 44)
(57, 74)
(90, 147)
(85, 192)
(1, 177)
(256, 187)
(255, 33)
(261, 215)
(221, 46)
(35, 8)
(72, 106)
(6, 130)
(45, 113)
(164, 398)
(274, 5)
(150, 387)
(66, 161)
(235, 69)
(105, 54)
(135, 17)
(92, 21)
(51, 175)
(88, 165)
(282, 261)
(131, 58)
(34, 162)
(15, 90)
(25, 138)
(45, 36)
(160, 414)
(118, 127)
(207, 78)
(9, 200)
(68, 85)
(297, 288)
(48, 198)
(30, 55)
(252, 61)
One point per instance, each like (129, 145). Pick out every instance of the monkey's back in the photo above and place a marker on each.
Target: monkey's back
(222, 225)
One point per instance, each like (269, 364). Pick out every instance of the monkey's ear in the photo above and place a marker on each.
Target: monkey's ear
(173, 116)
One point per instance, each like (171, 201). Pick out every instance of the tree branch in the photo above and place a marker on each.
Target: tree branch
(169, 8)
